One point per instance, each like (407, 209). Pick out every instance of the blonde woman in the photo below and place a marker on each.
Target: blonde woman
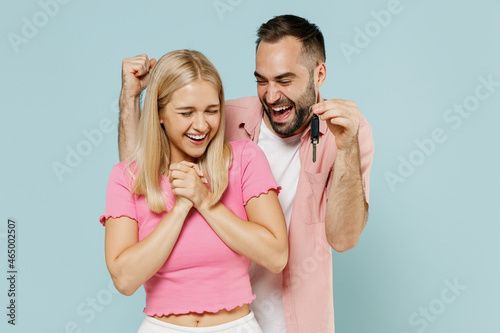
(189, 211)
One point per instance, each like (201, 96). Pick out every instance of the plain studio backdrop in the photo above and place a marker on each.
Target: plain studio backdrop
(424, 73)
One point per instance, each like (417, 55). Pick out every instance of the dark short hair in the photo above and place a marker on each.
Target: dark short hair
(313, 43)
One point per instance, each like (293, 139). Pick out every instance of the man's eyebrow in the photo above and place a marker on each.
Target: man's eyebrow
(258, 75)
(288, 75)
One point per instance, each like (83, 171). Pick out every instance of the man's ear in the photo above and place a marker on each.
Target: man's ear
(320, 75)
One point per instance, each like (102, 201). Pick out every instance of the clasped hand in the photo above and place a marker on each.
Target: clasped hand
(188, 184)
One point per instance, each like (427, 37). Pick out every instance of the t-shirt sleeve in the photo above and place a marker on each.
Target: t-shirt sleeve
(119, 199)
(256, 174)
(366, 149)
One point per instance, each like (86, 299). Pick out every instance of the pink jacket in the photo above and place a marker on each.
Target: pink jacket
(307, 279)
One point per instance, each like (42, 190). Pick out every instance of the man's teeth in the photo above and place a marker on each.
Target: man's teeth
(196, 137)
(281, 108)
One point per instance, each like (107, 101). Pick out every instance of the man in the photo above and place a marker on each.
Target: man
(325, 202)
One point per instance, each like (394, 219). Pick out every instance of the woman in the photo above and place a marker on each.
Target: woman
(189, 212)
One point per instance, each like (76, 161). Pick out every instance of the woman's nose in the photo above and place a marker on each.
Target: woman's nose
(200, 122)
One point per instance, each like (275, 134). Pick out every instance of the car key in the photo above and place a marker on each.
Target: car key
(314, 134)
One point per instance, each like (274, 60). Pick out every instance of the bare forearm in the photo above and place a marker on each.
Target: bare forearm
(346, 212)
(249, 239)
(127, 129)
(141, 261)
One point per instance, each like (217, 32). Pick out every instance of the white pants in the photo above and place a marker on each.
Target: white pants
(246, 324)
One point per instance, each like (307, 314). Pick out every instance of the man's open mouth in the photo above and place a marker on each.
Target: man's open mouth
(281, 112)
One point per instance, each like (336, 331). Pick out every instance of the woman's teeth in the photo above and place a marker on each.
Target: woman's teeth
(196, 137)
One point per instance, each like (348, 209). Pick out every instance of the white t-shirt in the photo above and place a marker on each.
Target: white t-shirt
(283, 157)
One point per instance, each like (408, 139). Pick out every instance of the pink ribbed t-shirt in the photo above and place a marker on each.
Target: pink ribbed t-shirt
(202, 273)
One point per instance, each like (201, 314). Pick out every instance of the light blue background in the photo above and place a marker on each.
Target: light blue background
(440, 224)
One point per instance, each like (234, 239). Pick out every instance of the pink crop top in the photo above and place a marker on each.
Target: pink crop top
(202, 273)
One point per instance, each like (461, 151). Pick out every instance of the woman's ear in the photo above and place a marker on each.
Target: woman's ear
(160, 118)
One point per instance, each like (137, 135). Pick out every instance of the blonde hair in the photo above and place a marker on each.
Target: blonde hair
(173, 71)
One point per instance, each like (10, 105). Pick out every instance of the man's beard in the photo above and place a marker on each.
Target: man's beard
(302, 111)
